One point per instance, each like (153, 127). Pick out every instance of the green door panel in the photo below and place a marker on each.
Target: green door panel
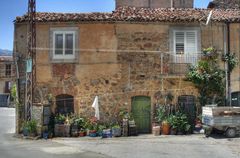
(141, 110)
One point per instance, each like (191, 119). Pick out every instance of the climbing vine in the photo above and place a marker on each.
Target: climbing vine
(208, 78)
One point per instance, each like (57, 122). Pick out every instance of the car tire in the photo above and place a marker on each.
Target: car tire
(231, 132)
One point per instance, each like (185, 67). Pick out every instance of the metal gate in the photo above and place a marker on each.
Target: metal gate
(188, 105)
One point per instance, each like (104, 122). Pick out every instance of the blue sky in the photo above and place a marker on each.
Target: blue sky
(9, 9)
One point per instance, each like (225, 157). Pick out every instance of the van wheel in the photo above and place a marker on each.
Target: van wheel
(231, 132)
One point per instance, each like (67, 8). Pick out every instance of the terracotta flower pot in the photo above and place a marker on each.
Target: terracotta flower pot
(82, 134)
(165, 128)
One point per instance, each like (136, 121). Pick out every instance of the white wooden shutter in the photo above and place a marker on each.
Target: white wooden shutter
(191, 42)
(185, 46)
(179, 42)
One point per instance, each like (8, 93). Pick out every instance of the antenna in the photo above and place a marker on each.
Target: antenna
(209, 17)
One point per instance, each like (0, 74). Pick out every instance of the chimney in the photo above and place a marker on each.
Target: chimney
(155, 3)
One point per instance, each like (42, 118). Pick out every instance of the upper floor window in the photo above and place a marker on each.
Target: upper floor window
(185, 42)
(64, 43)
(185, 45)
(8, 70)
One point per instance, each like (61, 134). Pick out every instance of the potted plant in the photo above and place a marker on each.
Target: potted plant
(100, 130)
(92, 127)
(116, 130)
(173, 121)
(45, 133)
(30, 128)
(165, 127)
(182, 123)
(82, 132)
(162, 118)
(60, 119)
(76, 125)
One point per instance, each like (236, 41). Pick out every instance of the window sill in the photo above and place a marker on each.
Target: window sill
(74, 61)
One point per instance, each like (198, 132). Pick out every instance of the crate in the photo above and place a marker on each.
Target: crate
(61, 130)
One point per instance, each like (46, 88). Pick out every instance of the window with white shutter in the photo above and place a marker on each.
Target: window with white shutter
(185, 46)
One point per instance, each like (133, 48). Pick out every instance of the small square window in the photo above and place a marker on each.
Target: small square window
(63, 44)
(8, 70)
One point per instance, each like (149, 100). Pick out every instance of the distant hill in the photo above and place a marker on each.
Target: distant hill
(4, 52)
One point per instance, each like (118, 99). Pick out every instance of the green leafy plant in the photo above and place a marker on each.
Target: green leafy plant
(179, 121)
(173, 120)
(30, 126)
(101, 128)
(124, 114)
(92, 124)
(116, 126)
(208, 78)
(232, 61)
(161, 114)
(60, 119)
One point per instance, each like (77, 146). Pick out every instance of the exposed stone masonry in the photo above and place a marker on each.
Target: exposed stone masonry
(225, 4)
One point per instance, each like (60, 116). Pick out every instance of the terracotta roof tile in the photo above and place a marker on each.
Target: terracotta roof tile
(6, 58)
(131, 14)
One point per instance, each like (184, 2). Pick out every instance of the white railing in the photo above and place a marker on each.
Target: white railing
(179, 63)
(192, 58)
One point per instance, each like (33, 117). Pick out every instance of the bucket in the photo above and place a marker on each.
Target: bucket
(156, 130)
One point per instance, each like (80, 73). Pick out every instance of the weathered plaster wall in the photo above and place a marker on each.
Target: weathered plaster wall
(115, 76)
(235, 48)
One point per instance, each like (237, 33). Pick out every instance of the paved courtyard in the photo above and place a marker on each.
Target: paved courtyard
(148, 146)
(143, 146)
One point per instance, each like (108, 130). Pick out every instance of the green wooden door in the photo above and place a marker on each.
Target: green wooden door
(141, 110)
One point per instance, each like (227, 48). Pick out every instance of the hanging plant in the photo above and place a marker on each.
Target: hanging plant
(231, 59)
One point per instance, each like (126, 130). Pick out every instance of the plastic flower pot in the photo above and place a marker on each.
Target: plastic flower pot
(25, 132)
(45, 135)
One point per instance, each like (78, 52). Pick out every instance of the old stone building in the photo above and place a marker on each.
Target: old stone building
(131, 58)
(6, 79)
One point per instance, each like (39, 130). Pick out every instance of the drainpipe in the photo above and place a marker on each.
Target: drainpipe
(227, 73)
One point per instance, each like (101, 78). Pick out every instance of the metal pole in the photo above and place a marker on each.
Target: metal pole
(31, 59)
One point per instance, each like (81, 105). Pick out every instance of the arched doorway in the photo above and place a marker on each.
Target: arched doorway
(65, 104)
(141, 110)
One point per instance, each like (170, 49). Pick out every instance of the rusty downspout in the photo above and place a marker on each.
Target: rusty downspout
(228, 71)
(227, 50)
